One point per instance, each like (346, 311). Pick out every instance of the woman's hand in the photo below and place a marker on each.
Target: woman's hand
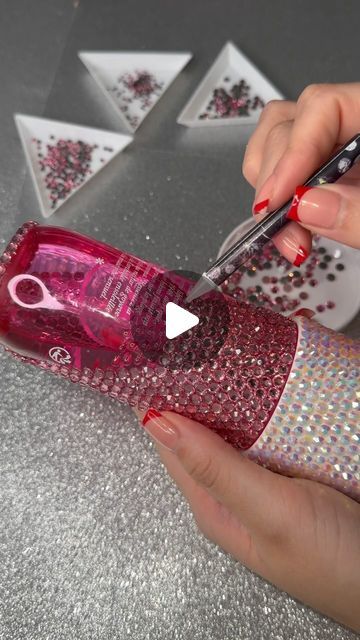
(298, 534)
(291, 141)
(301, 535)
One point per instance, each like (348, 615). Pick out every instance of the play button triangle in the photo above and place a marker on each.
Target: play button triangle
(178, 320)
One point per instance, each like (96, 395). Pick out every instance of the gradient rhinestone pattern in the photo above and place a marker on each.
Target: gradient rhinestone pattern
(314, 432)
(300, 414)
(235, 394)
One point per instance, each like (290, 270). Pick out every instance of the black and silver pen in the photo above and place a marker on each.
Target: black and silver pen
(255, 239)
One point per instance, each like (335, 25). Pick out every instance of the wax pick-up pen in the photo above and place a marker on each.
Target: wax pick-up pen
(255, 239)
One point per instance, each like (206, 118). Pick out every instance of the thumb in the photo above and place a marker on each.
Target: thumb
(246, 489)
(330, 210)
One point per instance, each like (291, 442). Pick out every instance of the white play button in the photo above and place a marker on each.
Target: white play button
(178, 320)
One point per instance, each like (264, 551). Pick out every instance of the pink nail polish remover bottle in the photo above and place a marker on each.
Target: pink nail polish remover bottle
(285, 392)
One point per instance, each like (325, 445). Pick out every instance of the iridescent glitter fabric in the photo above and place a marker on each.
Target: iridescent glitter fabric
(314, 432)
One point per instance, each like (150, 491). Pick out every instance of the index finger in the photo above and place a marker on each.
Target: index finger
(326, 115)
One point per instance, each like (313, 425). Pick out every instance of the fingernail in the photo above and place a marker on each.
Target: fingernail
(161, 429)
(305, 313)
(265, 192)
(261, 207)
(301, 256)
(298, 251)
(320, 207)
(292, 214)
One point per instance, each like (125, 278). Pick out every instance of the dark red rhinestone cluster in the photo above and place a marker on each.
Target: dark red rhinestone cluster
(285, 292)
(66, 164)
(134, 91)
(232, 102)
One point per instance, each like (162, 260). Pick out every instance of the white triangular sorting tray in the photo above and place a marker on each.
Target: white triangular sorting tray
(37, 133)
(133, 81)
(230, 67)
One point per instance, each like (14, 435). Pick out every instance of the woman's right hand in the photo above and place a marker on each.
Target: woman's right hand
(291, 141)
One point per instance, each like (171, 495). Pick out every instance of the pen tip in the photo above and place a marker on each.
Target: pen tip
(203, 285)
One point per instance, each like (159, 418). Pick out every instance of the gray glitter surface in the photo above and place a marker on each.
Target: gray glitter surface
(95, 540)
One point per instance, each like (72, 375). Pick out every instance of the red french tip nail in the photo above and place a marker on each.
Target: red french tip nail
(301, 256)
(293, 211)
(259, 206)
(150, 415)
(306, 313)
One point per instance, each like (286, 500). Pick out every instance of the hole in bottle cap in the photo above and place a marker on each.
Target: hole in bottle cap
(29, 291)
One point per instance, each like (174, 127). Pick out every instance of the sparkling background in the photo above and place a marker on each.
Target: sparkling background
(95, 542)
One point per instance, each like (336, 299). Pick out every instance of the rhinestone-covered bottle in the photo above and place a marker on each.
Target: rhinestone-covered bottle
(283, 391)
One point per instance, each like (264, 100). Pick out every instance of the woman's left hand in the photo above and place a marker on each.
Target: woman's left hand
(300, 535)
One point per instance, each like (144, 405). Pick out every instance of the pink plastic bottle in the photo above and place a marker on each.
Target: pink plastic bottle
(283, 391)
